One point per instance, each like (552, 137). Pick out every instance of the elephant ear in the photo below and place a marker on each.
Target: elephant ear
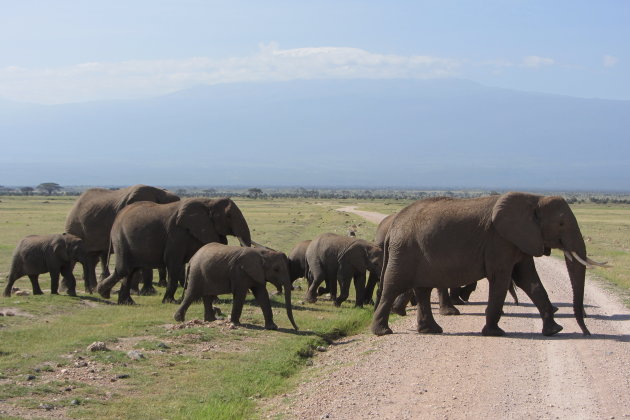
(135, 194)
(194, 216)
(60, 247)
(253, 265)
(514, 217)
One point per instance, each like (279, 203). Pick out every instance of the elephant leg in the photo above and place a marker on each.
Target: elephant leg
(400, 303)
(124, 294)
(175, 275)
(34, 278)
(104, 287)
(512, 290)
(498, 285)
(368, 297)
(446, 306)
(262, 297)
(344, 278)
(187, 300)
(10, 282)
(54, 283)
(318, 277)
(70, 280)
(426, 322)
(209, 313)
(238, 300)
(359, 287)
(526, 277)
(162, 273)
(147, 283)
(381, 313)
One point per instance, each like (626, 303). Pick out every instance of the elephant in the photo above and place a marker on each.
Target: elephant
(148, 235)
(334, 258)
(92, 216)
(217, 269)
(446, 304)
(453, 242)
(55, 254)
(297, 260)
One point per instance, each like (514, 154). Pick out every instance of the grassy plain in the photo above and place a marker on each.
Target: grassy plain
(197, 372)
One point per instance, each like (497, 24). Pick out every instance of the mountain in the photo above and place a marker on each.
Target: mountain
(407, 133)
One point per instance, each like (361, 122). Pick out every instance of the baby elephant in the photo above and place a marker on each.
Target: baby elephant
(218, 269)
(54, 254)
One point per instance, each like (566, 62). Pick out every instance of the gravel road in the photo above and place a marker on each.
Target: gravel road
(462, 375)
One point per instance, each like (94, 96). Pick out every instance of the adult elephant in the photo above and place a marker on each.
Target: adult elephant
(92, 216)
(338, 259)
(445, 302)
(454, 242)
(147, 235)
(218, 269)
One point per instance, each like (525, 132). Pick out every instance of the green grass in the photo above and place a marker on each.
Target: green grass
(177, 380)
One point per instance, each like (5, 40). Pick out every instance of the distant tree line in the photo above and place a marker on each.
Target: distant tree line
(52, 188)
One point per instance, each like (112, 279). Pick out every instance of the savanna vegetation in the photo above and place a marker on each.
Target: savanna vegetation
(194, 370)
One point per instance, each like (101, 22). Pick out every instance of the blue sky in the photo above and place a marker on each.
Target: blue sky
(73, 51)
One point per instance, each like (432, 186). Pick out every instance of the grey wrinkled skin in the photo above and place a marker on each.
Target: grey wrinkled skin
(55, 254)
(453, 242)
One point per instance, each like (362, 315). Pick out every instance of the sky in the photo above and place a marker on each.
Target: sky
(63, 51)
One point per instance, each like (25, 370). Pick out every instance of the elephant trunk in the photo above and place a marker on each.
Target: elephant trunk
(287, 303)
(577, 273)
(241, 231)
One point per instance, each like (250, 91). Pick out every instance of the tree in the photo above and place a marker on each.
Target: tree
(49, 187)
(254, 192)
(27, 190)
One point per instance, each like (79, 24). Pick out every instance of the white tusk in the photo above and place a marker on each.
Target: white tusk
(599, 264)
(580, 260)
(566, 254)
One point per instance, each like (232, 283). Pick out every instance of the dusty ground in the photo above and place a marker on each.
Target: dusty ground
(463, 375)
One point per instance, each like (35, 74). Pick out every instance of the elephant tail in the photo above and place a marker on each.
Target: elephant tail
(186, 275)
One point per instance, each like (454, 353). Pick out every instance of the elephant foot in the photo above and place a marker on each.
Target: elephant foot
(430, 328)
(179, 316)
(72, 293)
(39, 292)
(321, 291)
(271, 326)
(127, 301)
(148, 291)
(449, 310)
(457, 300)
(492, 331)
(310, 299)
(551, 328)
(171, 299)
(337, 303)
(380, 330)
(103, 291)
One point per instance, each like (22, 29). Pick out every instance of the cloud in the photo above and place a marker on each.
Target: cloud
(610, 60)
(535, 61)
(136, 79)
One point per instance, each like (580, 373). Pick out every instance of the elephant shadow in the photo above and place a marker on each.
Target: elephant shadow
(622, 338)
(90, 300)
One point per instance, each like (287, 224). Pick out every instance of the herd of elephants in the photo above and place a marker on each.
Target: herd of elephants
(442, 243)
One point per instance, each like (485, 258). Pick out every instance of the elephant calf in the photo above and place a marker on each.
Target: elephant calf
(217, 269)
(54, 254)
(335, 258)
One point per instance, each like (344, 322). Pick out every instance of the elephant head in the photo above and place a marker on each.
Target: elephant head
(213, 220)
(272, 266)
(74, 249)
(144, 193)
(536, 224)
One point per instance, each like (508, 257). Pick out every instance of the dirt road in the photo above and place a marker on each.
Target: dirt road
(463, 375)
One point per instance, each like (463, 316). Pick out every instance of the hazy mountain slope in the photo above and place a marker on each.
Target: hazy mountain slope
(370, 132)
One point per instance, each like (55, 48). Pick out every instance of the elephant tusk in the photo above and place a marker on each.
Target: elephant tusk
(568, 255)
(580, 260)
(599, 264)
